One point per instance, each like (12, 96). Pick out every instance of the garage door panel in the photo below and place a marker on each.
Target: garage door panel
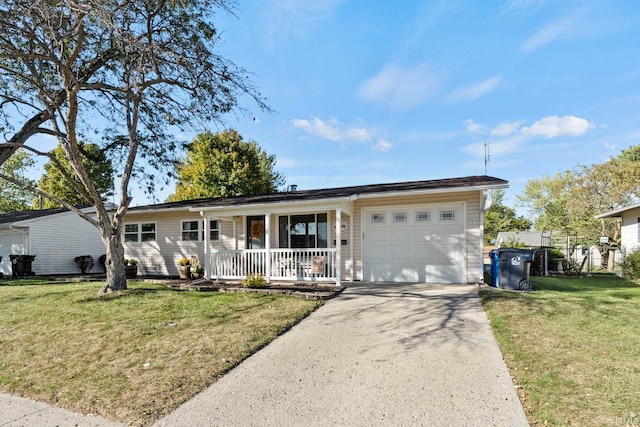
(418, 251)
(377, 236)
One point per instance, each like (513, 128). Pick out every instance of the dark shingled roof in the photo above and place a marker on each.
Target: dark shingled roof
(10, 217)
(328, 193)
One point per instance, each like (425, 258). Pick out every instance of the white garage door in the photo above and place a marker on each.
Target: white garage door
(415, 244)
(10, 243)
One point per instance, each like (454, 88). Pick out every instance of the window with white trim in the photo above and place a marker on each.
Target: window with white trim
(140, 232)
(193, 230)
(214, 229)
(303, 231)
(447, 215)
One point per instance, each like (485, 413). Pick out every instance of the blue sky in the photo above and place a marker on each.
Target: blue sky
(377, 91)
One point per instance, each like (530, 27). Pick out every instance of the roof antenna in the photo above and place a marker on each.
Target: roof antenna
(487, 157)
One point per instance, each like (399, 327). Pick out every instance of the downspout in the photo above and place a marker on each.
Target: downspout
(267, 246)
(338, 246)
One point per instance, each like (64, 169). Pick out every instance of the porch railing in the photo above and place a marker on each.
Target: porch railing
(285, 264)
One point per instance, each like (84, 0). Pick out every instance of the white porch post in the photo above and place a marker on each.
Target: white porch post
(267, 246)
(351, 263)
(338, 247)
(207, 248)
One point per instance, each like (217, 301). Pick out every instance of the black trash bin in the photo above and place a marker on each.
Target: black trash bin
(21, 265)
(514, 268)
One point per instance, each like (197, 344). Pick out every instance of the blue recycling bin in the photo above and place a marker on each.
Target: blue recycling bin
(495, 267)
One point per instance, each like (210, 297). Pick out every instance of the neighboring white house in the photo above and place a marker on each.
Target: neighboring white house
(629, 228)
(420, 231)
(54, 236)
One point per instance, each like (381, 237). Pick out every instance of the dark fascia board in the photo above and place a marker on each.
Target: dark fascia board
(13, 217)
(471, 182)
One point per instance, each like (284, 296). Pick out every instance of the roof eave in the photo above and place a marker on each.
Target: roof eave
(618, 212)
(461, 189)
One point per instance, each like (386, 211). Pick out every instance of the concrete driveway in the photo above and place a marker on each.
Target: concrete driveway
(384, 354)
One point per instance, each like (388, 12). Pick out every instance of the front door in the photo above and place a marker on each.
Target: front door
(255, 232)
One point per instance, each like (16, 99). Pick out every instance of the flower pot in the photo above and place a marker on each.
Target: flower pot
(184, 272)
(131, 271)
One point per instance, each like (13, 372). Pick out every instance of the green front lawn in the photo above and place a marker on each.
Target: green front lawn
(133, 356)
(573, 348)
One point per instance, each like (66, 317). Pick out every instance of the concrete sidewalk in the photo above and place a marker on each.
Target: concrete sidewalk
(384, 354)
(18, 412)
(391, 354)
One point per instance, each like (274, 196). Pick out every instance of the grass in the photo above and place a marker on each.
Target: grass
(572, 347)
(132, 356)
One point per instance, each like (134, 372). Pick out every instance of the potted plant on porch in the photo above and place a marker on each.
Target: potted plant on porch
(184, 268)
(197, 271)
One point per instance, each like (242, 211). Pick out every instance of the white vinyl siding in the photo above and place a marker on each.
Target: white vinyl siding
(159, 257)
(630, 231)
(57, 239)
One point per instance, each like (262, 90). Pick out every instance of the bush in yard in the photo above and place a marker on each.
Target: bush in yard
(631, 266)
(84, 263)
(254, 281)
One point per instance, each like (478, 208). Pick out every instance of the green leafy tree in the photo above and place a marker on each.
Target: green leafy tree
(95, 162)
(14, 197)
(149, 68)
(501, 218)
(223, 165)
(570, 201)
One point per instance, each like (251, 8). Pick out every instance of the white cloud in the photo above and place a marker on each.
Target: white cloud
(469, 93)
(332, 130)
(382, 145)
(554, 126)
(553, 31)
(473, 127)
(401, 88)
(505, 129)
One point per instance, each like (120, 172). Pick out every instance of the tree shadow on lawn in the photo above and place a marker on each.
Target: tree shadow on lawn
(600, 293)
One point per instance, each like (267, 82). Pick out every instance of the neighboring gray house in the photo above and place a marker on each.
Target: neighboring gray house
(629, 228)
(54, 236)
(531, 239)
(420, 231)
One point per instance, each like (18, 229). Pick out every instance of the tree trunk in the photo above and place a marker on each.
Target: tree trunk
(116, 276)
(611, 260)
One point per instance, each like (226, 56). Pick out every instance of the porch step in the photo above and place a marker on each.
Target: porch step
(305, 291)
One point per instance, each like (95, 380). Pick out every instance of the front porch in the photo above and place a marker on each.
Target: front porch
(275, 264)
